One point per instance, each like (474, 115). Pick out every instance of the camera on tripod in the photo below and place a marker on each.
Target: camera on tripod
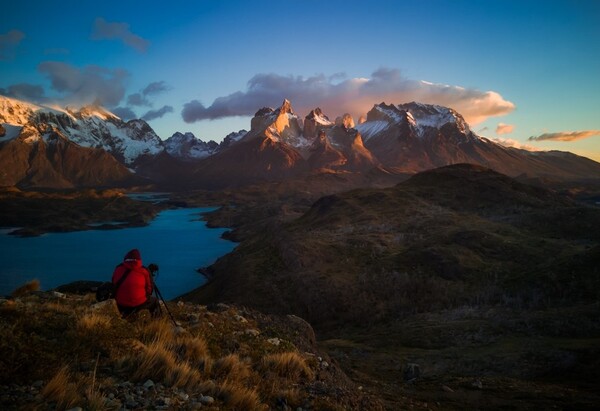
(153, 268)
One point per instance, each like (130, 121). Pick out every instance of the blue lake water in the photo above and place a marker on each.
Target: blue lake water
(176, 240)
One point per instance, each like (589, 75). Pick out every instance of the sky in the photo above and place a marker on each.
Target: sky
(525, 73)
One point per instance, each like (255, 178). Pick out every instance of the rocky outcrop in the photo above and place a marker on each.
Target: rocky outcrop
(280, 125)
(314, 122)
(345, 121)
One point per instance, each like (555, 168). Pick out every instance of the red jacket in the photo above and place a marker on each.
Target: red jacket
(136, 288)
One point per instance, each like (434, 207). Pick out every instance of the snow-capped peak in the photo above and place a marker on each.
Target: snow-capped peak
(431, 115)
(318, 117)
(91, 126)
(94, 111)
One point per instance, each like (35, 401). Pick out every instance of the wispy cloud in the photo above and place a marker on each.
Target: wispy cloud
(141, 99)
(155, 87)
(24, 91)
(566, 135)
(504, 128)
(154, 114)
(86, 85)
(507, 142)
(9, 42)
(120, 31)
(355, 96)
(125, 113)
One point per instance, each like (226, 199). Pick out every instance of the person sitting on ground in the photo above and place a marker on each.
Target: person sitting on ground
(134, 292)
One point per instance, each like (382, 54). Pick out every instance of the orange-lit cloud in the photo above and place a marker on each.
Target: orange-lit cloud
(566, 135)
(507, 142)
(120, 31)
(355, 96)
(504, 128)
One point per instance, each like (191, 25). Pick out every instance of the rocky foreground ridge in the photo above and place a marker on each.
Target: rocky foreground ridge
(91, 147)
(63, 350)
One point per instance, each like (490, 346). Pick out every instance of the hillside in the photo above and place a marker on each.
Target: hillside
(63, 350)
(462, 270)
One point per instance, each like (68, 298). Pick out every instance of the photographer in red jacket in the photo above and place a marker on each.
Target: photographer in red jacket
(134, 292)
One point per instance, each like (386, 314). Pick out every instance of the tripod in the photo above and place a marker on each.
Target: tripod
(153, 268)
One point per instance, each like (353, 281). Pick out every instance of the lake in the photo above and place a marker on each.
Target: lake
(177, 240)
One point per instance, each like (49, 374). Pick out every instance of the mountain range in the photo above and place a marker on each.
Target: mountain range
(51, 147)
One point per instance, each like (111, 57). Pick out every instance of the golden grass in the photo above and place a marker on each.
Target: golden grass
(182, 375)
(231, 368)
(153, 362)
(157, 362)
(33, 285)
(239, 397)
(92, 323)
(192, 349)
(61, 390)
(288, 365)
(157, 330)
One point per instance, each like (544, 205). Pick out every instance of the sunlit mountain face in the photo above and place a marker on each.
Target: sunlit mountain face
(392, 139)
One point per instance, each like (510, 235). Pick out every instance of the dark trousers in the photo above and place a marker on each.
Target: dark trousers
(151, 305)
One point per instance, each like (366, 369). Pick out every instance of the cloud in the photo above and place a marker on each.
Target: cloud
(137, 99)
(355, 96)
(24, 91)
(140, 99)
(86, 85)
(154, 114)
(105, 30)
(156, 87)
(566, 135)
(483, 130)
(507, 142)
(9, 42)
(504, 128)
(124, 113)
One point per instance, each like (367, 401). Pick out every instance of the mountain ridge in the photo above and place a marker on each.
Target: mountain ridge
(400, 139)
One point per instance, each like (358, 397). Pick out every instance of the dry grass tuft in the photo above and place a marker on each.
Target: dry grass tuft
(60, 390)
(182, 375)
(239, 397)
(153, 362)
(192, 349)
(231, 368)
(158, 363)
(157, 330)
(288, 365)
(33, 285)
(95, 402)
(92, 323)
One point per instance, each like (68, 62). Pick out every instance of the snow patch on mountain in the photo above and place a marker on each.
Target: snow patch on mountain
(434, 116)
(188, 147)
(370, 128)
(11, 132)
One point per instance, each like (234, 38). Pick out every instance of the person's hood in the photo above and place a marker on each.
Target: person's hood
(133, 259)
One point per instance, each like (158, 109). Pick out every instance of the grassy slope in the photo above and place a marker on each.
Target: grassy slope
(88, 356)
(391, 269)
